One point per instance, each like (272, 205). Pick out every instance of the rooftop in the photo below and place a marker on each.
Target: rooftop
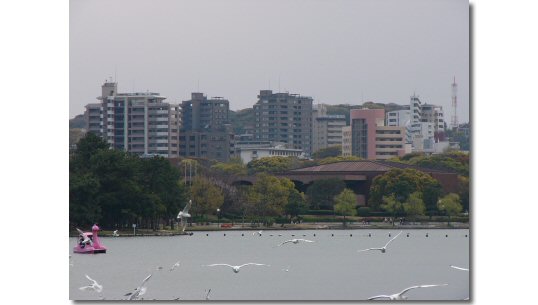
(361, 166)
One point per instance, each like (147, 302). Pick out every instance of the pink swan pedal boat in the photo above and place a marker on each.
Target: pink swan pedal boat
(89, 243)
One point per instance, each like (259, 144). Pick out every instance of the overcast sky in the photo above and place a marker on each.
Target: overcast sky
(345, 51)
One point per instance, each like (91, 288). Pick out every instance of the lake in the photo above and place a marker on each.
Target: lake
(328, 269)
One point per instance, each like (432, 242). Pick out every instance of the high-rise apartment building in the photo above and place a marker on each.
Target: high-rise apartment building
(205, 131)
(346, 141)
(286, 118)
(371, 139)
(326, 129)
(140, 123)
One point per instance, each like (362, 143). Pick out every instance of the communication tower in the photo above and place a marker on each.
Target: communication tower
(454, 121)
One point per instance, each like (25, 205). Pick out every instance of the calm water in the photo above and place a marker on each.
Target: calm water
(329, 269)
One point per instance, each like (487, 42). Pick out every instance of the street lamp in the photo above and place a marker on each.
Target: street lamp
(218, 218)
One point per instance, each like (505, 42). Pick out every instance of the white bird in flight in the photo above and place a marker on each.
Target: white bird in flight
(286, 269)
(184, 214)
(115, 233)
(140, 290)
(296, 241)
(384, 248)
(207, 295)
(174, 266)
(459, 268)
(400, 295)
(94, 286)
(259, 233)
(236, 268)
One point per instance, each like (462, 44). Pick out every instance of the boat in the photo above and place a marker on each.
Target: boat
(88, 242)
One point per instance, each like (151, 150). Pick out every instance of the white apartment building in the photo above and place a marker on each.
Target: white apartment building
(140, 123)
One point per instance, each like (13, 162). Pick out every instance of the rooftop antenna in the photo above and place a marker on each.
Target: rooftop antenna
(279, 83)
(115, 72)
(198, 86)
(454, 121)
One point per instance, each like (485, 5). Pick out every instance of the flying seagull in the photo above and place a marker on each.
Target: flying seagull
(384, 248)
(174, 266)
(259, 233)
(115, 233)
(140, 290)
(236, 268)
(400, 295)
(459, 268)
(296, 241)
(207, 295)
(94, 286)
(184, 214)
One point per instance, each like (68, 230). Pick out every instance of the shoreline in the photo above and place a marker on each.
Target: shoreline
(206, 229)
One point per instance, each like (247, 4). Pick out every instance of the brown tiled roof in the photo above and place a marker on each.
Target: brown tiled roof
(360, 166)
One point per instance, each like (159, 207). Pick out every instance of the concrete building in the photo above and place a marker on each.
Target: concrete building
(253, 150)
(140, 123)
(398, 117)
(390, 142)
(94, 118)
(364, 123)
(346, 141)
(284, 117)
(205, 130)
(326, 129)
(424, 124)
(371, 139)
(435, 115)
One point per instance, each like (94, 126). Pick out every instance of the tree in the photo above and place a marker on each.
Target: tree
(88, 146)
(450, 204)
(455, 161)
(84, 208)
(206, 197)
(431, 190)
(234, 167)
(331, 151)
(270, 164)
(118, 189)
(414, 205)
(269, 195)
(464, 192)
(296, 204)
(345, 204)
(392, 205)
(320, 194)
(401, 183)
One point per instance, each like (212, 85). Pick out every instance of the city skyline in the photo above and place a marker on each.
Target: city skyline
(340, 52)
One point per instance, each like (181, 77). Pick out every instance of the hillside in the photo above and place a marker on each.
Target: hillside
(77, 122)
(241, 119)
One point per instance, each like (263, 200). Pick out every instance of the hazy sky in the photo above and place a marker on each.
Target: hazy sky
(345, 51)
